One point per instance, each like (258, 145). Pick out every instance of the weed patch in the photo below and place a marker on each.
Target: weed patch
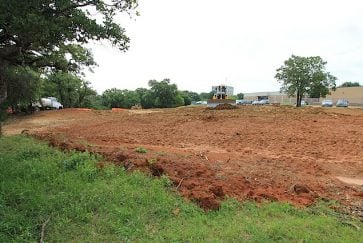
(141, 150)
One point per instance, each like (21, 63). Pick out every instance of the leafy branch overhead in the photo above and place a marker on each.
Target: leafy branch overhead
(47, 36)
(35, 28)
(301, 76)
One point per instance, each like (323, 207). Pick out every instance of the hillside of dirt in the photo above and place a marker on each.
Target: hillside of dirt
(259, 153)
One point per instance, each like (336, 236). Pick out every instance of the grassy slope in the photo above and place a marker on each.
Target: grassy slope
(88, 204)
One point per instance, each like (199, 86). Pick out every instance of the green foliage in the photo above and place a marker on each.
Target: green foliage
(186, 98)
(318, 90)
(165, 95)
(350, 84)
(141, 150)
(34, 30)
(116, 98)
(88, 204)
(3, 113)
(71, 90)
(48, 36)
(240, 96)
(192, 96)
(305, 75)
(94, 102)
(160, 95)
(147, 100)
(206, 96)
(23, 87)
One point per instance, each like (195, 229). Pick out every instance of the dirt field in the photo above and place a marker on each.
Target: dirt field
(273, 153)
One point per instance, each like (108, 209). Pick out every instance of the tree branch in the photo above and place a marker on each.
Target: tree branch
(73, 6)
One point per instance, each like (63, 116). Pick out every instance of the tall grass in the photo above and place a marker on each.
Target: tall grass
(86, 204)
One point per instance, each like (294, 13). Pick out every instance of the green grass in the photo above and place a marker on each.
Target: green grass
(141, 150)
(87, 204)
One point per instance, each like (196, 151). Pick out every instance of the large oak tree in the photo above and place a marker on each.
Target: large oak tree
(39, 33)
(304, 75)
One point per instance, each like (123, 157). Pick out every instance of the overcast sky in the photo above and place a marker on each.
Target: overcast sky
(200, 43)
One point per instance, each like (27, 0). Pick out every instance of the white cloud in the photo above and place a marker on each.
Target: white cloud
(201, 43)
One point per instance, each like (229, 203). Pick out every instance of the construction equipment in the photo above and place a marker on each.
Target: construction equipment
(220, 96)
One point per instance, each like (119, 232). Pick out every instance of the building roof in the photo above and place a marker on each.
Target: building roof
(263, 93)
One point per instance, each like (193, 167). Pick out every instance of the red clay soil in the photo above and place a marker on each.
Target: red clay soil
(260, 153)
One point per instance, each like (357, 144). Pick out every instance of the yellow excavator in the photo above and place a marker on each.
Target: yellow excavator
(220, 96)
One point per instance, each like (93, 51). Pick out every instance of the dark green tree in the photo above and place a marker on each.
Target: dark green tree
(192, 95)
(147, 100)
(206, 96)
(23, 88)
(165, 95)
(186, 98)
(300, 75)
(116, 98)
(94, 102)
(86, 94)
(65, 87)
(350, 84)
(34, 33)
(240, 96)
(318, 90)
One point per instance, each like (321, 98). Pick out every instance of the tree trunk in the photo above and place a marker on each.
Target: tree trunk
(298, 100)
(82, 95)
(3, 87)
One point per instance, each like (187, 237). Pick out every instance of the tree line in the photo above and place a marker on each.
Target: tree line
(27, 86)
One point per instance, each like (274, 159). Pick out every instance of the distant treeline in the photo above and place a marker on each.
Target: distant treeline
(161, 94)
(27, 87)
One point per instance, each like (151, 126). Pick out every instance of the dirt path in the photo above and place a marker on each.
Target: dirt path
(274, 153)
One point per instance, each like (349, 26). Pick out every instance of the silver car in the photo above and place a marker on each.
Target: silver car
(342, 103)
(264, 102)
(327, 103)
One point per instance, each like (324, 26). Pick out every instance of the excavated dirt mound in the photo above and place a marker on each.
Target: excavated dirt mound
(254, 152)
(224, 107)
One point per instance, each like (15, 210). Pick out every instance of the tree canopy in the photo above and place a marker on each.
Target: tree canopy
(113, 98)
(206, 96)
(161, 94)
(240, 96)
(305, 75)
(46, 36)
(350, 84)
(41, 33)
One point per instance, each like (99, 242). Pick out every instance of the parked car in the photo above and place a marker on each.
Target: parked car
(243, 102)
(327, 103)
(261, 102)
(264, 102)
(342, 103)
(201, 102)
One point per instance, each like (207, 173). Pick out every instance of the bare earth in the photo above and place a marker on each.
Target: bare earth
(274, 153)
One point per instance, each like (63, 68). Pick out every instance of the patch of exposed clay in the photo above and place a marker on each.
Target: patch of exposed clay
(348, 180)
